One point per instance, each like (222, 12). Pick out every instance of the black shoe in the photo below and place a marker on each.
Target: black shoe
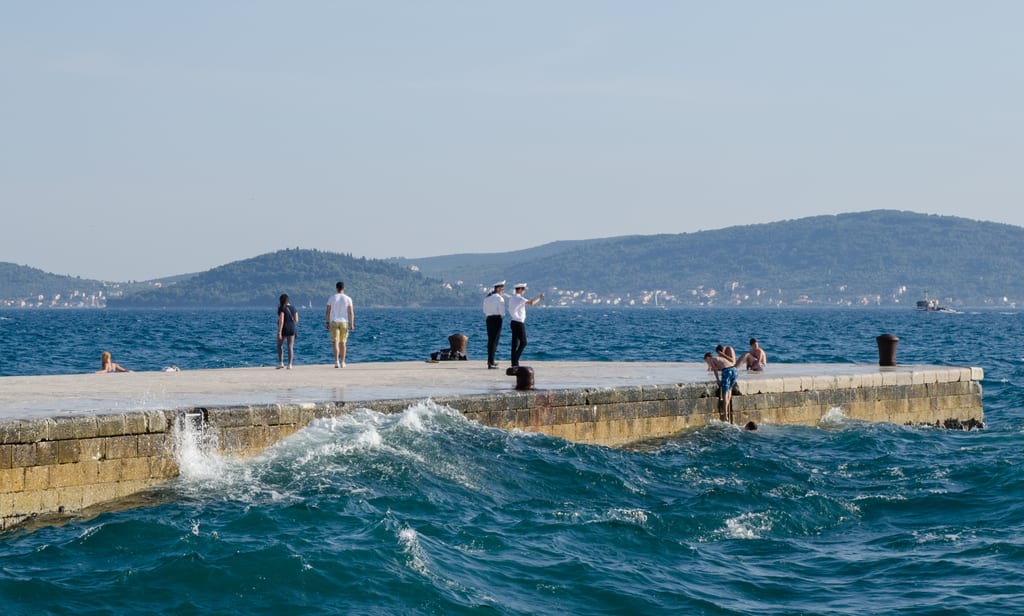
(492, 366)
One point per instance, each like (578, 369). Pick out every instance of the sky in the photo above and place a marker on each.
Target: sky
(147, 139)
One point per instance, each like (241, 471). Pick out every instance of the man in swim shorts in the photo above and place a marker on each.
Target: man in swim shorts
(725, 364)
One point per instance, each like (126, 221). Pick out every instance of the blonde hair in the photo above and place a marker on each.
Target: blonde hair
(105, 359)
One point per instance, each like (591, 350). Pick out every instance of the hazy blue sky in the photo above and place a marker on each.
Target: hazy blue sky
(144, 139)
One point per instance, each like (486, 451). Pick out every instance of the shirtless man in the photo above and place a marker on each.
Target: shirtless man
(723, 364)
(755, 360)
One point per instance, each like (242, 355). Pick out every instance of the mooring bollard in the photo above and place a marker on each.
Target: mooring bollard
(887, 349)
(524, 376)
(457, 344)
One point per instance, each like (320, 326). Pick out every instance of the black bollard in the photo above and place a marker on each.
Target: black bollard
(457, 344)
(887, 349)
(524, 377)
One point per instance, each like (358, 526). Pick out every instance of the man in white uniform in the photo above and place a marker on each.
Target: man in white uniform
(517, 312)
(494, 308)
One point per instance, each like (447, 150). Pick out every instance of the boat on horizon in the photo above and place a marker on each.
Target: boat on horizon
(932, 305)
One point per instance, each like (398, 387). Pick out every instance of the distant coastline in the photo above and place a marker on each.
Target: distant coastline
(868, 259)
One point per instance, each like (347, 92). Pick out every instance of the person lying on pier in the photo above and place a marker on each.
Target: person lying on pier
(109, 365)
(755, 360)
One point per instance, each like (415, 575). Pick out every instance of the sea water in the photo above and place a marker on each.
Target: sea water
(425, 512)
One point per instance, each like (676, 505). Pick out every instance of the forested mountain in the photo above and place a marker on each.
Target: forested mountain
(307, 276)
(880, 257)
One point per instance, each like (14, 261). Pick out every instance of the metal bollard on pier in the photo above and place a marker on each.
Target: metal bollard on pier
(887, 349)
(524, 377)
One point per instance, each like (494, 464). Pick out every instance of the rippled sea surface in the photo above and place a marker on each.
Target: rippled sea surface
(424, 512)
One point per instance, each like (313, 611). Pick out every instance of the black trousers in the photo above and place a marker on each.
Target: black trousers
(518, 340)
(493, 333)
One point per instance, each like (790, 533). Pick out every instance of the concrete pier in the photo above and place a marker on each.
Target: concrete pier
(71, 442)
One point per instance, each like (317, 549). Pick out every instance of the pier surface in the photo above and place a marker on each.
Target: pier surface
(41, 396)
(24, 397)
(69, 442)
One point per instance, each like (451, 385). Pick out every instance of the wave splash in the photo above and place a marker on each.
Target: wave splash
(426, 511)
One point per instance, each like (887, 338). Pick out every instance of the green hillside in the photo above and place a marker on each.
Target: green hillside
(307, 276)
(23, 286)
(880, 257)
(877, 258)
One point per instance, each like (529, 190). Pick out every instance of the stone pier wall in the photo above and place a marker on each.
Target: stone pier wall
(63, 465)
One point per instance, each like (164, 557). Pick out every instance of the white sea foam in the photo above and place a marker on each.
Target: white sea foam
(696, 476)
(632, 516)
(339, 436)
(426, 415)
(880, 497)
(629, 516)
(417, 559)
(202, 469)
(333, 447)
(415, 417)
(749, 525)
(833, 418)
(90, 531)
(369, 438)
(195, 451)
(928, 537)
(897, 472)
(572, 517)
(718, 423)
(370, 428)
(327, 451)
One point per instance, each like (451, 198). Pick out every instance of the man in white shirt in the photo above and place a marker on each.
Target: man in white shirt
(341, 319)
(494, 308)
(517, 312)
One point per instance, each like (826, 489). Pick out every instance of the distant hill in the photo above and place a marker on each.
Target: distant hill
(876, 258)
(23, 286)
(307, 276)
(880, 257)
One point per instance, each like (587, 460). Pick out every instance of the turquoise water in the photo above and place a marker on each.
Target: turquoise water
(424, 512)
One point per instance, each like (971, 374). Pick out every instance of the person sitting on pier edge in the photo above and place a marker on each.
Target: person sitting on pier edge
(109, 365)
(494, 308)
(755, 360)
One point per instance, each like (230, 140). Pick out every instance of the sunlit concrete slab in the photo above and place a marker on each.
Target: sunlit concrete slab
(24, 397)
